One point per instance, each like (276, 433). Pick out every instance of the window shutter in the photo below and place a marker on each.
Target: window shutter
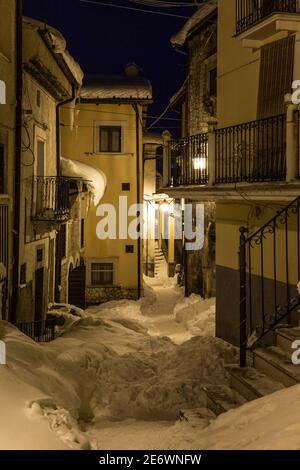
(276, 76)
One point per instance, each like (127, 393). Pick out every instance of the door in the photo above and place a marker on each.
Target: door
(77, 278)
(39, 295)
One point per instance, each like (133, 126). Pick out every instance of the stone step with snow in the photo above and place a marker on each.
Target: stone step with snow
(251, 383)
(277, 364)
(197, 417)
(285, 337)
(221, 398)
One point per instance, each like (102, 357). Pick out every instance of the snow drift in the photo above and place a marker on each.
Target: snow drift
(94, 178)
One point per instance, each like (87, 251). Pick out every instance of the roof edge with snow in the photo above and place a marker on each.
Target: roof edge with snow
(194, 22)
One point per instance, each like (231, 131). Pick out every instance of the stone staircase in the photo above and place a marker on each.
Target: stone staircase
(269, 370)
(160, 262)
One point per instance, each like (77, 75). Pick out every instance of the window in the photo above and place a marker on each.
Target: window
(213, 82)
(102, 274)
(129, 249)
(125, 186)
(23, 274)
(1, 169)
(63, 241)
(38, 98)
(110, 139)
(40, 165)
(39, 255)
(82, 240)
(276, 76)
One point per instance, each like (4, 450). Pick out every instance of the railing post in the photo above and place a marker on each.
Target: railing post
(212, 125)
(166, 135)
(243, 297)
(292, 164)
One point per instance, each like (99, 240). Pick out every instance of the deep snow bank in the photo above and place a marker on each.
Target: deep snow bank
(106, 365)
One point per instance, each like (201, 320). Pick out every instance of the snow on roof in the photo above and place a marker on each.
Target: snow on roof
(203, 11)
(95, 179)
(104, 87)
(59, 45)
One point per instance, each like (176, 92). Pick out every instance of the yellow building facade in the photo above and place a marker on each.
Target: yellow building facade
(107, 135)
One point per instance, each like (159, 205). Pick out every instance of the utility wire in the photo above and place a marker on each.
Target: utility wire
(141, 10)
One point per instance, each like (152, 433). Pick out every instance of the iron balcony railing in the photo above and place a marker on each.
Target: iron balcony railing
(51, 198)
(188, 160)
(251, 12)
(269, 273)
(40, 331)
(252, 152)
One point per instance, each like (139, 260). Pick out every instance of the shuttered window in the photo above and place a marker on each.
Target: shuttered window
(276, 76)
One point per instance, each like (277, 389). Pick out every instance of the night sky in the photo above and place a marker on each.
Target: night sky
(103, 39)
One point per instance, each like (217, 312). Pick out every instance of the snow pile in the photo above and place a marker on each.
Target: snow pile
(18, 430)
(270, 423)
(197, 315)
(203, 11)
(94, 178)
(107, 366)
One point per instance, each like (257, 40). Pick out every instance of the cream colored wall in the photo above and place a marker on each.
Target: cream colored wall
(238, 70)
(79, 144)
(231, 216)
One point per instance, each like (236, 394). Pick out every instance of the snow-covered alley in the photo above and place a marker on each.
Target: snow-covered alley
(120, 373)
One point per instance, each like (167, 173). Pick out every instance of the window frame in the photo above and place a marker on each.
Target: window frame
(109, 124)
(89, 264)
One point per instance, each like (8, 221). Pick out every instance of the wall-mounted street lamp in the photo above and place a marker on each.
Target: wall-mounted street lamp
(200, 163)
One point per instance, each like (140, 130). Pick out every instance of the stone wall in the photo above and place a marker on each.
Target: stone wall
(200, 106)
(99, 295)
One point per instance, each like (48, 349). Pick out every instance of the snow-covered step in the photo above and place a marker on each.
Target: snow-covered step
(285, 337)
(221, 398)
(251, 383)
(277, 364)
(197, 417)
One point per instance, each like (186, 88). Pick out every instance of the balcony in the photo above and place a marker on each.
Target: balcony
(259, 19)
(253, 152)
(257, 153)
(50, 199)
(189, 160)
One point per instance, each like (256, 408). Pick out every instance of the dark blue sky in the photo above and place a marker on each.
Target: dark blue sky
(104, 39)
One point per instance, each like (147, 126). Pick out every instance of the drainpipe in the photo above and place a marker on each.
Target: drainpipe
(18, 157)
(58, 172)
(138, 180)
(58, 144)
